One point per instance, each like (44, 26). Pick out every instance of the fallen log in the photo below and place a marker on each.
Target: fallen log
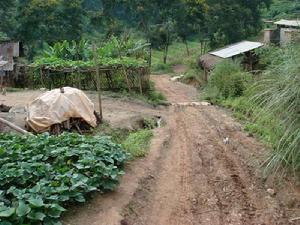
(14, 127)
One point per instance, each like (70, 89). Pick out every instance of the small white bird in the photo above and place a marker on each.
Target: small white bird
(226, 140)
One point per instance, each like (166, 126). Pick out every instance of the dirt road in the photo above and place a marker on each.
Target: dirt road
(192, 176)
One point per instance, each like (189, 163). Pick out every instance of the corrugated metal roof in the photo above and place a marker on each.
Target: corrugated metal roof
(291, 23)
(236, 49)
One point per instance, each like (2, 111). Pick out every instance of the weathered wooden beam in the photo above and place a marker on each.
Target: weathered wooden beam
(13, 126)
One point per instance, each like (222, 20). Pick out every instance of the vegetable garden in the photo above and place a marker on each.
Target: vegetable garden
(122, 64)
(41, 175)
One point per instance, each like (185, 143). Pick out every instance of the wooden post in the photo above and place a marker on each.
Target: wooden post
(205, 74)
(150, 56)
(126, 77)
(41, 75)
(1, 81)
(140, 83)
(98, 82)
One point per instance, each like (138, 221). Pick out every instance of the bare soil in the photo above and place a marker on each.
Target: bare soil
(119, 112)
(191, 176)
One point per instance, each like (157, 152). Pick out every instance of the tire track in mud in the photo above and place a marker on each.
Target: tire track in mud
(202, 179)
(232, 200)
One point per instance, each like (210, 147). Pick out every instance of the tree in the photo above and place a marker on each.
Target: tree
(7, 18)
(232, 20)
(283, 9)
(48, 21)
(189, 18)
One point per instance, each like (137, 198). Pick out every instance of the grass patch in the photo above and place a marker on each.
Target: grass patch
(12, 89)
(117, 135)
(264, 126)
(177, 56)
(151, 96)
(137, 144)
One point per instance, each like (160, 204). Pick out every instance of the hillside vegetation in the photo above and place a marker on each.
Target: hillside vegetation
(269, 103)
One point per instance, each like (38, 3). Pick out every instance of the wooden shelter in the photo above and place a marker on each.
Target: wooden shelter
(242, 49)
(208, 62)
(9, 52)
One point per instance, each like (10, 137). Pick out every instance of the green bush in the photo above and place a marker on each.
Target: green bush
(160, 68)
(39, 175)
(137, 144)
(154, 97)
(227, 80)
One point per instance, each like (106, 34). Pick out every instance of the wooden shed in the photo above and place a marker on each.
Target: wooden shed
(9, 52)
(282, 32)
(208, 62)
(244, 48)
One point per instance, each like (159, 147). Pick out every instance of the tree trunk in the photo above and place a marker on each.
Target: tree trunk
(166, 53)
(187, 47)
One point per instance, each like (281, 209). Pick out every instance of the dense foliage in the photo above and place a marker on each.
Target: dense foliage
(283, 9)
(229, 21)
(269, 103)
(278, 93)
(226, 81)
(80, 55)
(40, 175)
(160, 22)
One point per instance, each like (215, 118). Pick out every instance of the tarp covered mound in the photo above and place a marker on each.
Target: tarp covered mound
(57, 106)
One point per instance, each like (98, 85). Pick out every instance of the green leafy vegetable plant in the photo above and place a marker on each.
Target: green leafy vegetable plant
(40, 175)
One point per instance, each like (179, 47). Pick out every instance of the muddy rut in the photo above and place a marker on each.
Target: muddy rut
(202, 169)
(203, 178)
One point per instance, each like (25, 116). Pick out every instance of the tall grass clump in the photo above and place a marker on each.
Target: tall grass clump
(227, 80)
(138, 143)
(277, 92)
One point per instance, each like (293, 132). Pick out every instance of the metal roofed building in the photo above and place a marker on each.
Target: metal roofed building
(236, 49)
(285, 32)
(244, 48)
(288, 23)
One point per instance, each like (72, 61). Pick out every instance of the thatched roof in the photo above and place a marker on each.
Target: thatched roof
(209, 61)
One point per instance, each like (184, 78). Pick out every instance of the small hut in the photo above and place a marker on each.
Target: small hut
(245, 49)
(9, 51)
(2, 73)
(283, 32)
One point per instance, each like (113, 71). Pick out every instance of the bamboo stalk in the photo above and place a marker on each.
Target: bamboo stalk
(98, 82)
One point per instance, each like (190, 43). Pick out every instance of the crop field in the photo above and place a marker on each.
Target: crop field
(42, 174)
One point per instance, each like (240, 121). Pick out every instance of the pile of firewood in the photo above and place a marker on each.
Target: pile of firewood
(73, 125)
